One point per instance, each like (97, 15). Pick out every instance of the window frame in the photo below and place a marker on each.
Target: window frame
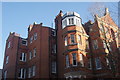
(31, 39)
(81, 59)
(79, 39)
(34, 52)
(74, 59)
(31, 71)
(23, 57)
(25, 41)
(35, 36)
(72, 38)
(7, 60)
(95, 44)
(67, 61)
(53, 68)
(89, 63)
(87, 44)
(66, 40)
(5, 74)
(98, 62)
(30, 55)
(71, 21)
(9, 44)
(22, 73)
(54, 48)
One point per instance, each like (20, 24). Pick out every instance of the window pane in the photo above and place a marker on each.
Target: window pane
(22, 73)
(54, 48)
(5, 74)
(74, 59)
(30, 55)
(29, 72)
(98, 64)
(9, 44)
(7, 58)
(87, 44)
(71, 21)
(35, 36)
(79, 39)
(34, 51)
(72, 38)
(33, 70)
(54, 67)
(66, 41)
(95, 44)
(81, 59)
(31, 39)
(67, 61)
(24, 42)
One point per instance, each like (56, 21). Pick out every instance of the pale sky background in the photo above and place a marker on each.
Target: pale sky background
(17, 16)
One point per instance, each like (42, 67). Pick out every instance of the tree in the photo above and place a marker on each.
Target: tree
(97, 10)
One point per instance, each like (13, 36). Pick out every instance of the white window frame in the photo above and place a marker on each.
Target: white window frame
(74, 59)
(31, 71)
(5, 74)
(81, 59)
(54, 33)
(26, 42)
(54, 48)
(23, 55)
(64, 23)
(22, 73)
(34, 70)
(7, 59)
(9, 44)
(67, 61)
(108, 63)
(34, 52)
(65, 41)
(30, 55)
(77, 20)
(72, 37)
(79, 39)
(87, 44)
(31, 39)
(97, 61)
(53, 66)
(35, 36)
(71, 21)
(104, 44)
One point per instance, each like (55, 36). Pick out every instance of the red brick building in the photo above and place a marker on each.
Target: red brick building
(71, 50)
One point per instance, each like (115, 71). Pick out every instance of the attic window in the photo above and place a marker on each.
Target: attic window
(24, 42)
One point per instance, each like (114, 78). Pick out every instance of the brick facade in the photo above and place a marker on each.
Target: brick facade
(71, 50)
